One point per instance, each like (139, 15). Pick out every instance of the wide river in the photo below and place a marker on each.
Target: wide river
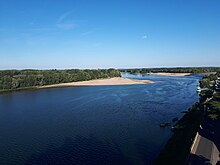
(92, 125)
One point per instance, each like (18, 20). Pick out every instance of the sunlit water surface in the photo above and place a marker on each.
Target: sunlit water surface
(92, 125)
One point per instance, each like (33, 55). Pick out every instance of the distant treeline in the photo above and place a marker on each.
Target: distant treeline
(15, 79)
(173, 70)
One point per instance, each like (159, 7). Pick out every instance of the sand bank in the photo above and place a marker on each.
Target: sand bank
(110, 81)
(172, 74)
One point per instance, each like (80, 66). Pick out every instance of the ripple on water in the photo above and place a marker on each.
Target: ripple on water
(92, 125)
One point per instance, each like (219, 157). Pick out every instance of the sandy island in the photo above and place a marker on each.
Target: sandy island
(172, 74)
(109, 81)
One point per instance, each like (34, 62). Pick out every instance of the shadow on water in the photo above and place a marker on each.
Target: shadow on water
(81, 150)
(199, 160)
(144, 153)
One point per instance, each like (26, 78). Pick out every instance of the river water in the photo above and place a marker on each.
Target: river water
(92, 125)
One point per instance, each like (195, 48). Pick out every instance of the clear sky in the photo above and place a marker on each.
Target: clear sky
(109, 33)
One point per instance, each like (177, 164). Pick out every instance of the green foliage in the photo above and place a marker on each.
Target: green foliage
(214, 109)
(208, 85)
(216, 97)
(194, 70)
(178, 146)
(211, 77)
(204, 83)
(208, 81)
(15, 79)
(205, 94)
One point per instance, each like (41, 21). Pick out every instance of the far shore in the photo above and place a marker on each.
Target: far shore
(101, 82)
(171, 74)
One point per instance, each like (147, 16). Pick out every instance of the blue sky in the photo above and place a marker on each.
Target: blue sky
(60, 34)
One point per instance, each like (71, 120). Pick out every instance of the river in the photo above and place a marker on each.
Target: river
(92, 125)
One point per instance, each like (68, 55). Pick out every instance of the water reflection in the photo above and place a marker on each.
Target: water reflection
(97, 125)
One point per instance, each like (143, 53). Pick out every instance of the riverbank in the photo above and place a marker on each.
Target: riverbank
(172, 74)
(101, 82)
(11, 80)
(178, 146)
(97, 82)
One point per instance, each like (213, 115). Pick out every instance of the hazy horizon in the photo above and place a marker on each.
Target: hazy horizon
(53, 34)
(109, 68)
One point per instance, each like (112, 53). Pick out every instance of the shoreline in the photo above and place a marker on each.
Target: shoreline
(95, 82)
(172, 74)
(165, 73)
(185, 134)
(100, 82)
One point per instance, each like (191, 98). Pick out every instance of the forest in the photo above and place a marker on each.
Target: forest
(194, 70)
(16, 79)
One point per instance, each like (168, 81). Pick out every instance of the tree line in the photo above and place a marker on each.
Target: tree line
(194, 70)
(15, 79)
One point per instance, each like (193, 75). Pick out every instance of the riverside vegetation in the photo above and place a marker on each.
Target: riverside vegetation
(193, 70)
(178, 147)
(20, 79)
(211, 95)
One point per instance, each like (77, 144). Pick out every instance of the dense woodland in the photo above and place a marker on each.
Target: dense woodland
(15, 79)
(212, 86)
(173, 70)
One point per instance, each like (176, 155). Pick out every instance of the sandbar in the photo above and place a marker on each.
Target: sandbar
(172, 74)
(99, 82)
